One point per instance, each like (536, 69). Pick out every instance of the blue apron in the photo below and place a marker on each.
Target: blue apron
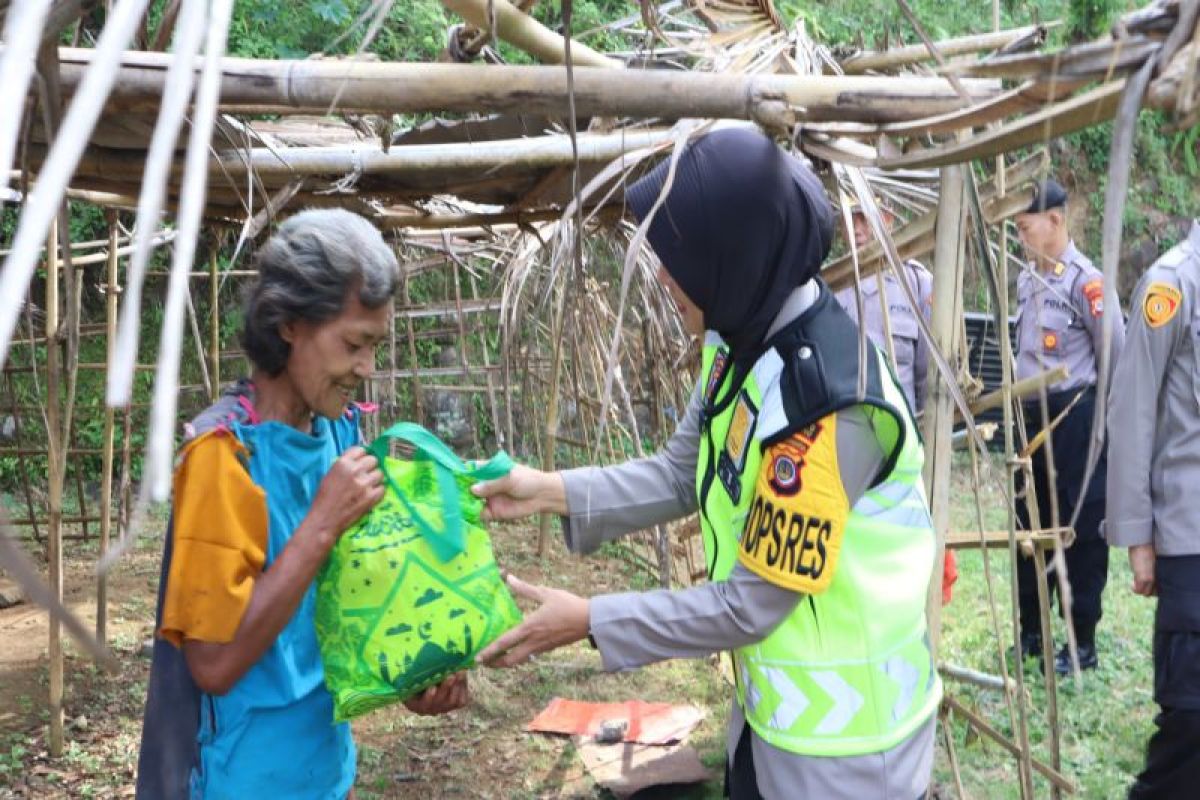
(272, 734)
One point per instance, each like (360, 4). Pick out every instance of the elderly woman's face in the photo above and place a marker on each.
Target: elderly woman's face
(329, 360)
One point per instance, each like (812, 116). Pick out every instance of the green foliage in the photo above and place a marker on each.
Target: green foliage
(1161, 184)
(1091, 19)
(1186, 144)
(414, 30)
(844, 22)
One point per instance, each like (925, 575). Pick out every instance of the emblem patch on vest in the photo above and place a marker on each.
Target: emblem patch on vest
(787, 460)
(716, 374)
(738, 441)
(793, 533)
(785, 474)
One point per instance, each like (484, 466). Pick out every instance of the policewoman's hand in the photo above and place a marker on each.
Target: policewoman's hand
(1141, 560)
(521, 493)
(449, 695)
(560, 619)
(351, 488)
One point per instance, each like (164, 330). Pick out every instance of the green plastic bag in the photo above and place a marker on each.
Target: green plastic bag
(411, 593)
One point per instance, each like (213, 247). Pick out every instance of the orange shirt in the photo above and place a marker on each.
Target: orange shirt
(220, 541)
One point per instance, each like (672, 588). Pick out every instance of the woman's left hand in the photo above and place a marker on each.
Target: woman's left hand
(449, 695)
(560, 619)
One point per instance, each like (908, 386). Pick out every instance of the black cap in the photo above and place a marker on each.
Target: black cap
(1047, 194)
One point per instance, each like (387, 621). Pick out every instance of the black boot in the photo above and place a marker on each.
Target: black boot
(1031, 645)
(1088, 659)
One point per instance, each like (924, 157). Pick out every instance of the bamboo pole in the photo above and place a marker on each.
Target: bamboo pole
(974, 677)
(274, 165)
(947, 285)
(976, 540)
(212, 390)
(481, 224)
(1022, 753)
(553, 409)
(106, 476)
(93, 244)
(533, 152)
(1083, 110)
(961, 45)
(214, 346)
(16, 410)
(55, 492)
(1025, 762)
(526, 33)
(163, 237)
(311, 86)
(1019, 390)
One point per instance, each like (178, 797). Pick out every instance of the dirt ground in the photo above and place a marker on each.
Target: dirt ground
(479, 753)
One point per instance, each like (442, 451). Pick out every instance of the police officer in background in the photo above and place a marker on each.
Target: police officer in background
(1060, 311)
(912, 350)
(1154, 424)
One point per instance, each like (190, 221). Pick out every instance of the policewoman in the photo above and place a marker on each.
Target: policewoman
(815, 524)
(883, 289)
(1060, 315)
(1154, 423)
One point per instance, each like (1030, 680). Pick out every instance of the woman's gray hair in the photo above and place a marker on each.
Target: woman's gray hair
(306, 272)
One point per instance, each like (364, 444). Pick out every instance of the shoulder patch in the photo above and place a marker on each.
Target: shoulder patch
(793, 533)
(1161, 303)
(1093, 291)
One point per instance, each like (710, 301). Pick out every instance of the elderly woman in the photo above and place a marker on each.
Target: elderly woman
(274, 474)
(805, 465)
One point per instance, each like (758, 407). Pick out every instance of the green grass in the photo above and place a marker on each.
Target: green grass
(1105, 721)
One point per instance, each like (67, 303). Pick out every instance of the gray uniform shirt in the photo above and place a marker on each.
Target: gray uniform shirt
(637, 628)
(1154, 419)
(912, 350)
(1060, 316)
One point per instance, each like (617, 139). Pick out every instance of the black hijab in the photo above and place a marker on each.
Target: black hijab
(743, 225)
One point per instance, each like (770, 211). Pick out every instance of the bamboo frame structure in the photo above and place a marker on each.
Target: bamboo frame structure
(505, 202)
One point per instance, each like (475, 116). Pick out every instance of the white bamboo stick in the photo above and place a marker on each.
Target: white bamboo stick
(191, 208)
(177, 91)
(156, 476)
(22, 35)
(44, 201)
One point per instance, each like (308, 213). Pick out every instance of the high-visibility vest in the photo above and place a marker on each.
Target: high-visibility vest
(850, 670)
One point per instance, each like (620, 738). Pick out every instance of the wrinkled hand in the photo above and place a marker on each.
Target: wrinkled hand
(1141, 559)
(449, 695)
(521, 493)
(353, 485)
(560, 619)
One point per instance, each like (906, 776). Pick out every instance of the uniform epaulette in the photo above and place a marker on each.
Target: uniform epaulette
(1085, 265)
(1171, 259)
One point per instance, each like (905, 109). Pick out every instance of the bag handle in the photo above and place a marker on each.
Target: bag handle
(450, 541)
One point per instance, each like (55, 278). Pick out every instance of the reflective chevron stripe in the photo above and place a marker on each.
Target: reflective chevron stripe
(846, 702)
(792, 701)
